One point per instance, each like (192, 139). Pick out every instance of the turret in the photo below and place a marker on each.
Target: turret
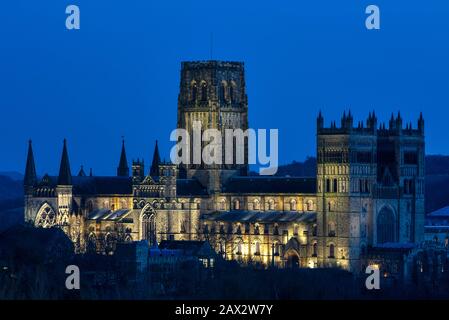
(138, 168)
(64, 190)
(371, 123)
(320, 121)
(399, 122)
(421, 124)
(30, 169)
(65, 175)
(154, 170)
(81, 173)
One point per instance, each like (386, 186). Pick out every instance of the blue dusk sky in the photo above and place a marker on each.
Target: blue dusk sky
(119, 74)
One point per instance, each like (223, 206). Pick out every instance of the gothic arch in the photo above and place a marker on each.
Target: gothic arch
(46, 216)
(91, 246)
(147, 225)
(386, 225)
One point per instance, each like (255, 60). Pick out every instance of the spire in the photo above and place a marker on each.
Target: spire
(30, 170)
(123, 169)
(154, 170)
(65, 176)
(320, 121)
(421, 123)
(81, 173)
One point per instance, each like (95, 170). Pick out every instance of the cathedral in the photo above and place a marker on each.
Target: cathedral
(367, 196)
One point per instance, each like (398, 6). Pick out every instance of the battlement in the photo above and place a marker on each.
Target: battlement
(395, 126)
(211, 64)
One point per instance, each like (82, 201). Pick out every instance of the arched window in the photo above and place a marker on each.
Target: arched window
(386, 226)
(271, 204)
(315, 249)
(194, 92)
(46, 217)
(149, 227)
(295, 230)
(236, 204)
(222, 248)
(204, 91)
(91, 246)
(310, 205)
(183, 227)
(332, 251)
(231, 92)
(238, 249)
(276, 248)
(256, 204)
(109, 244)
(293, 206)
(257, 248)
(222, 204)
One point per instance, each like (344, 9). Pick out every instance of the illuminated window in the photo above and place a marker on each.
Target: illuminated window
(309, 205)
(293, 206)
(295, 229)
(46, 217)
(331, 251)
(257, 248)
(238, 250)
(276, 248)
(256, 204)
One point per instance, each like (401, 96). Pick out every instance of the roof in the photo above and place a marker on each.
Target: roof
(263, 184)
(442, 212)
(106, 214)
(189, 187)
(260, 216)
(96, 185)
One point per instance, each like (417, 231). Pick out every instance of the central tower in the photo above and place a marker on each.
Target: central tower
(213, 93)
